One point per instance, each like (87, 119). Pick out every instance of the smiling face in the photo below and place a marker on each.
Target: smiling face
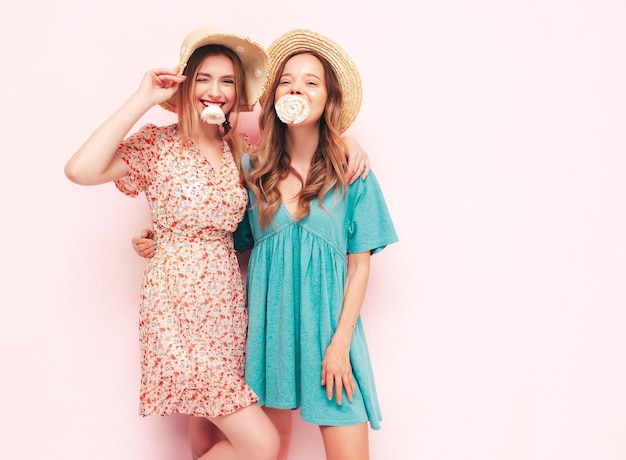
(214, 76)
(304, 76)
(215, 84)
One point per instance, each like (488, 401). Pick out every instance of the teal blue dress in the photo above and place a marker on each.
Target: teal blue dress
(295, 285)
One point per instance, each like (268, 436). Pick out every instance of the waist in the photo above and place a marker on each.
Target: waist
(192, 235)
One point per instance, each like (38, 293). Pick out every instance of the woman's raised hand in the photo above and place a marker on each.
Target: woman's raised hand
(160, 84)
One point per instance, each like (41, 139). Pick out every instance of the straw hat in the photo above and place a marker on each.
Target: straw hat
(252, 56)
(301, 40)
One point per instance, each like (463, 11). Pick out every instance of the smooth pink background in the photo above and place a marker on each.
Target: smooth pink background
(497, 326)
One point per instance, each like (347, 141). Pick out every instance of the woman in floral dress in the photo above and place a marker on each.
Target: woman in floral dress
(193, 317)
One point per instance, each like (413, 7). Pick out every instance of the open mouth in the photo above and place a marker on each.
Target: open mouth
(210, 103)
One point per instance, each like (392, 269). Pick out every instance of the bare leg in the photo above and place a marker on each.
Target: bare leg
(202, 436)
(281, 418)
(250, 435)
(346, 442)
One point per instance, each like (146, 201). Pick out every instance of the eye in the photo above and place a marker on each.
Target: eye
(229, 81)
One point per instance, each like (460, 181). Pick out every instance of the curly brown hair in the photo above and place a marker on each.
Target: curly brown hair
(270, 163)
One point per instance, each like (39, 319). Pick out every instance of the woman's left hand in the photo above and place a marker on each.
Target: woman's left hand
(145, 245)
(358, 161)
(337, 372)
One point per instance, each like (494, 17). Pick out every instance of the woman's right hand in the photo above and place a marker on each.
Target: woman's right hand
(158, 85)
(144, 245)
(95, 162)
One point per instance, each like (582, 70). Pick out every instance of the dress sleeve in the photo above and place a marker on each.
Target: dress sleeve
(370, 227)
(242, 236)
(137, 151)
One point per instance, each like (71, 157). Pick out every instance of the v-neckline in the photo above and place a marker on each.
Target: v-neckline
(292, 219)
(286, 209)
(217, 173)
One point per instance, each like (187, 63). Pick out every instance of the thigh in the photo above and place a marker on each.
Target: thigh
(203, 435)
(249, 434)
(346, 442)
(281, 418)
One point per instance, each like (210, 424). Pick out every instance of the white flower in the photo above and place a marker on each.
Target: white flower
(292, 109)
(213, 115)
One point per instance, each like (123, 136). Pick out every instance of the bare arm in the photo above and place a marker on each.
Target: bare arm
(95, 161)
(336, 367)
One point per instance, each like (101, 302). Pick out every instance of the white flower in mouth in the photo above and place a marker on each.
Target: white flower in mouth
(213, 115)
(292, 109)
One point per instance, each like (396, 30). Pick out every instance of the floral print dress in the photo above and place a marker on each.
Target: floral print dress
(193, 318)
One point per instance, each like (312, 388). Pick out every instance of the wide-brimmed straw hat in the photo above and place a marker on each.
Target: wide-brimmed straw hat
(302, 40)
(252, 56)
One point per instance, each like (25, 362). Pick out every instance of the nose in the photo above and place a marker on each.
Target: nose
(295, 88)
(213, 88)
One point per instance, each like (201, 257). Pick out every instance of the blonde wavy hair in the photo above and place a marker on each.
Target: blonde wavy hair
(270, 163)
(188, 119)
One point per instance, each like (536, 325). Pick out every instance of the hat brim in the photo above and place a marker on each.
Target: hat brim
(303, 40)
(252, 55)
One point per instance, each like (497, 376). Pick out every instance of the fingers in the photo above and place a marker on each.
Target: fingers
(147, 252)
(329, 387)
(352, 176)
(338, 391)
(145, 247)
(139, 241)
(361, 169)
(146, 233)
(168, 81)
(337, 374)
(166, 78)
(337, 384)
(366, 169)
(160, 84)
(352, 171)
(348, 386)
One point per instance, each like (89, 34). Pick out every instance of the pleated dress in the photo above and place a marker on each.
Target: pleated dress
(295, 285)
(193, 318)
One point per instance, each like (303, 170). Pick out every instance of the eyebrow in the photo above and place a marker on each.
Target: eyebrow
(306, 75)
(210, 75)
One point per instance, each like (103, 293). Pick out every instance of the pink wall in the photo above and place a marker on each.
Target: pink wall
(497, 129)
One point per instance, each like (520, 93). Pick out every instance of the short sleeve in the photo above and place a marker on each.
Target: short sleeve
(242, 236)
(137, 151)
(370, 227)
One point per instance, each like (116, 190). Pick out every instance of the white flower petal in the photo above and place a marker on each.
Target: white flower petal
(213, 115)
(292, 109)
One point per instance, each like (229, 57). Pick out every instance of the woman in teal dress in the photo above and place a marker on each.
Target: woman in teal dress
(313, 236)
